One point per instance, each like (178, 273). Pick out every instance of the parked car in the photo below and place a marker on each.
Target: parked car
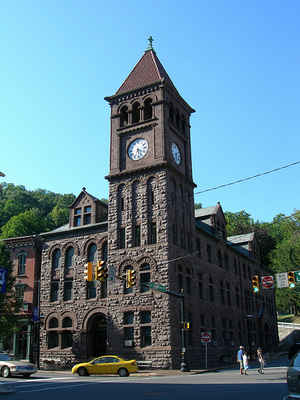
(106, 365)
(9, 365)
(293, 377)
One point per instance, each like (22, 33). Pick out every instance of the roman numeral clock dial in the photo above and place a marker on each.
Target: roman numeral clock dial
(138, 149)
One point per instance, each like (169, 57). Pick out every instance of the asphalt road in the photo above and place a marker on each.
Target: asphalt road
(221, 385)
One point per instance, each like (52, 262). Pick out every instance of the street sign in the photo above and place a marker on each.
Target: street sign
(297, 276)
(267, 282)
(205, 337)
(157, 286)
(282, 280)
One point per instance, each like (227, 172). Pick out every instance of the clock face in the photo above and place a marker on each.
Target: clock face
(176, 153)
(138, 149)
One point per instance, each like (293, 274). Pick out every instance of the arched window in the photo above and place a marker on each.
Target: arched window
(92, 250)
(124, 116)
(69, 257)
(53, 323)
(171, 112)
(56, 259)
(67, 322)
(144, 278)
(148, 109)
(135, 112)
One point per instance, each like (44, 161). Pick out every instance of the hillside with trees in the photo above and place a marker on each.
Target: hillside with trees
(24, 212)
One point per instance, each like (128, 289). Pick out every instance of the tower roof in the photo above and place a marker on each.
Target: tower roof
(148, 70)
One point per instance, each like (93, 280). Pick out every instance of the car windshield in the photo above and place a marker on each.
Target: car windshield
(296, 361)
(6, 357)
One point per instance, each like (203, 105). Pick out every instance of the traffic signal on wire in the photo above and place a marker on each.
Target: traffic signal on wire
(186, 326)
(130, 278)
(255, 283)
(88, 271)
(101, 271)
(291, 279)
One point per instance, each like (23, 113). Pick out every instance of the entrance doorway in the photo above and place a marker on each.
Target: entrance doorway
(97, 335)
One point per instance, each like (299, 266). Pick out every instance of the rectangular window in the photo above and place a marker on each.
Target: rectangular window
(54, 291)
(87, 219)
(77, 211)
(146, 339)
(68, 290)
(122, 238)
(66, 340)
(145, 317)
(91, 290)
(152, 233)
(77, 220)
(21, 264)
(144, 280)
(20, 293)
(88, 209)
(128, 318)
(137, 235)
(52, 340)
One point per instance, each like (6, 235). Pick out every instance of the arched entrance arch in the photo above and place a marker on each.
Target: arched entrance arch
(96, 335)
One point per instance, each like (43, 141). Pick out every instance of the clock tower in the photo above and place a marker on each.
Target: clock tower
(151, 202)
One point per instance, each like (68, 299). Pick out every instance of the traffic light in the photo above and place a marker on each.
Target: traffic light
(130, 278)
(186, 326)
(255, 283)
(101, 271)
(291, 279)
(88, 271)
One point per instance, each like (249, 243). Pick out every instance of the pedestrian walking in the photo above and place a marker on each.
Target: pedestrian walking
(261, 361)
(245, 362)
(239, 358)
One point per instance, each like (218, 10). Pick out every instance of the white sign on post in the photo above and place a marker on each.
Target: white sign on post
(282, 280)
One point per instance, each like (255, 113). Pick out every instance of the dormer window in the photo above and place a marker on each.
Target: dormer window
(87, 217)
(77, 217)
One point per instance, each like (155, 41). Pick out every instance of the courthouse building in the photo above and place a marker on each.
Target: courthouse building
(150, 226)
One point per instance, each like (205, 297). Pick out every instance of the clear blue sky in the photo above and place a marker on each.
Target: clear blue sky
(235, 62)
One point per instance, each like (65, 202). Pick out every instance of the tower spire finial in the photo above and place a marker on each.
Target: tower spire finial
(150, 40)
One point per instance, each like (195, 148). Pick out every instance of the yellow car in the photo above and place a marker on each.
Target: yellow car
(106, 365)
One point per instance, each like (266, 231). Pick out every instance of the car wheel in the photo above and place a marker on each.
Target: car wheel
(26, 375)
(5, 372)
(123, 372)
(82, 372)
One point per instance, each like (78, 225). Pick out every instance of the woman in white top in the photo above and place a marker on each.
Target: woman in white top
(245, 362)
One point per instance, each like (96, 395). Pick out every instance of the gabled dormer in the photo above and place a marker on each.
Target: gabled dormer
(214, 218)
(87, 209)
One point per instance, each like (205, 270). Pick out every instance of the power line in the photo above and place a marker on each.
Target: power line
(248, 178)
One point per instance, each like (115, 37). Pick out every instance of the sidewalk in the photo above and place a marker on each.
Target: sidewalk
(166, 372)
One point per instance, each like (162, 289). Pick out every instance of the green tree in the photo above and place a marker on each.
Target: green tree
(8, 303)
(27, 223)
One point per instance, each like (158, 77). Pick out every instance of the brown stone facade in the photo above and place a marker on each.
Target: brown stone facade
(150, 228)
